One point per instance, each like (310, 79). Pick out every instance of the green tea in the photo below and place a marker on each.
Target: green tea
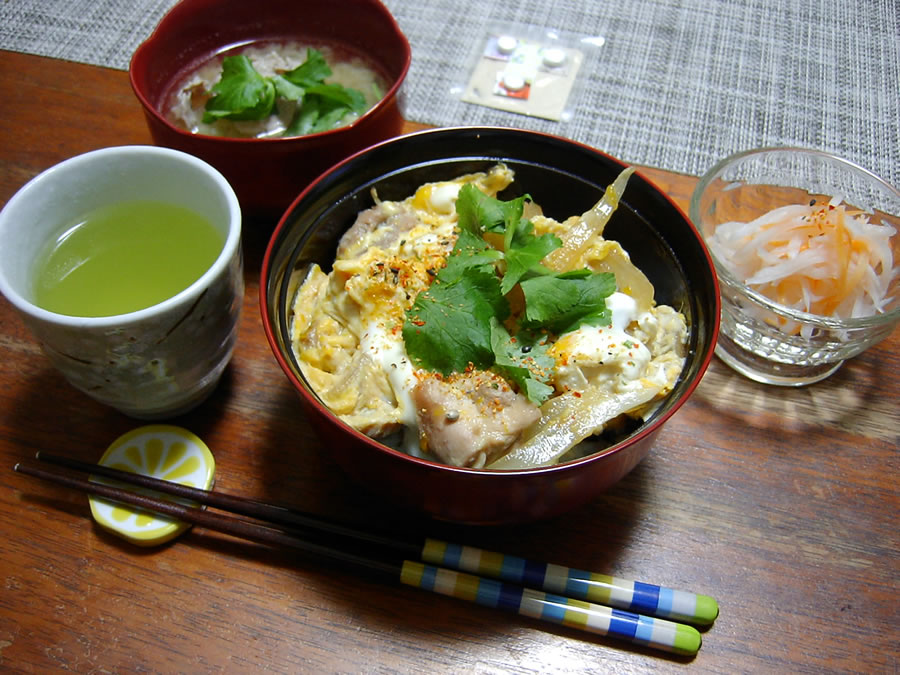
(124, 257)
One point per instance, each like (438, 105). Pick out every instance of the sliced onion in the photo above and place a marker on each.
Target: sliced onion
(629, 279)
(591, 225)
(568, 419)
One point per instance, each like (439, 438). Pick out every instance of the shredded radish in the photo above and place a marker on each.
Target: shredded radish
(824, 259)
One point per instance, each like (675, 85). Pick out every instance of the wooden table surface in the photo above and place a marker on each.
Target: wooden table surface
(780, 503)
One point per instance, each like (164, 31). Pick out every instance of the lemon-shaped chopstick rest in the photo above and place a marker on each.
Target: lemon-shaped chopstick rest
(161, 451)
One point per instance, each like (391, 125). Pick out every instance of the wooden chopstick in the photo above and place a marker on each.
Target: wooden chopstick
(633, 596)
(596, 618)
(219, 522)
(271, 513)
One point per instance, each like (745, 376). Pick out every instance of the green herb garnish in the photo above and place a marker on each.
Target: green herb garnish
(460, 321)
(243, 94)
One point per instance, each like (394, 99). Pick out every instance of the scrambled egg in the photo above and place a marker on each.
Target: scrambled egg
(346, 327)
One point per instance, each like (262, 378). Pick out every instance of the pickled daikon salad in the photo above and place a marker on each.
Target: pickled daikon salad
(823, 258)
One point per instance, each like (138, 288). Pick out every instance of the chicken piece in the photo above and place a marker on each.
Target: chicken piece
(472, 418)
(382, 226)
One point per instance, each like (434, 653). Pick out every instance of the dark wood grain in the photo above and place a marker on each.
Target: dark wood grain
(781, 503)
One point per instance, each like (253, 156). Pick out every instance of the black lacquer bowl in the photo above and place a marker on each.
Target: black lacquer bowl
(565, 178)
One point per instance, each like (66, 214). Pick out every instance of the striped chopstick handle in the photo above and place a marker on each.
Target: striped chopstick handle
(633, 596)
(643, 630)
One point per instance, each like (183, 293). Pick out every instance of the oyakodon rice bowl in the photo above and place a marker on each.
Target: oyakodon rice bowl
(361, 340)
(481, 333)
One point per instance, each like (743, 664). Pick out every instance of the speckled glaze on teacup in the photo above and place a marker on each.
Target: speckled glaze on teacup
(157, 362)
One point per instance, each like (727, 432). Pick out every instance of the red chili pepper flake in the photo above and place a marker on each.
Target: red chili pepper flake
(576, 394)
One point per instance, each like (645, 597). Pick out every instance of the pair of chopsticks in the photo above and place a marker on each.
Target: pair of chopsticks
(644, 614)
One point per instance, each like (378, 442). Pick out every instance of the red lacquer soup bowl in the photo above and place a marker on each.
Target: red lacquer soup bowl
(267, 173)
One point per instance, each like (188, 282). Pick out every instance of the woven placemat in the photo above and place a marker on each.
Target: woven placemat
(676, 84)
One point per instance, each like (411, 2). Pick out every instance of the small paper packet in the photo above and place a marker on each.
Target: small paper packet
(528, 70)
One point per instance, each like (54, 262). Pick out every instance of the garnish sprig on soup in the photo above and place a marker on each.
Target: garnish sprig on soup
(492, 335)
(275, 90)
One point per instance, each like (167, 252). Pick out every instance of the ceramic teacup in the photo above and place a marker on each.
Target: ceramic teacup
(155, 362)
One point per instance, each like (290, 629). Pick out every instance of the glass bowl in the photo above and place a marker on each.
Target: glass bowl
(764, 340)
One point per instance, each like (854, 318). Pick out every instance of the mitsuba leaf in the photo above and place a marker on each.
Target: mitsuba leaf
(470, 251)
(459, 321)
(449, 325)
(312, 71)
(241, 93)
(525, 258)
(323, 107)
(339, 96)
(305, 119)
(286, 89)
(481, 213)
(329, 117)
(523, 360)
(562, 303)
